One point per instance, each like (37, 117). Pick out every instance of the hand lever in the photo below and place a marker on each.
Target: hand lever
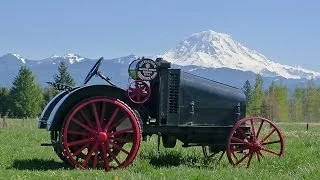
(105, 78)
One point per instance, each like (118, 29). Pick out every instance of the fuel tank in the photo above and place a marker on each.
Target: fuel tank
(207, 102)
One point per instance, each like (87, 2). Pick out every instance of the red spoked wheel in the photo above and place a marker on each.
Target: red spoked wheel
(101, 133)
(253, 139)
(139, 91)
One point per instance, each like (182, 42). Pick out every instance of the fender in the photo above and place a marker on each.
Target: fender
(42, 124)
(68, 101)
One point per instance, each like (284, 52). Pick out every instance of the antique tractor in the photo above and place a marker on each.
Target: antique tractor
(101, 126)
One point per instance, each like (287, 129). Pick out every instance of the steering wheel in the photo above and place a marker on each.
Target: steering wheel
(93, 71)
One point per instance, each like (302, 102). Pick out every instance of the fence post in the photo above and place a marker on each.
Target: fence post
(4, 122)
(307, 126)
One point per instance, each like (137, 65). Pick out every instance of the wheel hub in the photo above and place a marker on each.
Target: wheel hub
(256, 146)
(102, 137)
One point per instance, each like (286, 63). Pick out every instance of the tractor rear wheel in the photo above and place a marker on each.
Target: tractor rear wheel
(253, 139)
(101, 133)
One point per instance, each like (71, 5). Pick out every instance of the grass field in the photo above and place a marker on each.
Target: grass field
(22, 157)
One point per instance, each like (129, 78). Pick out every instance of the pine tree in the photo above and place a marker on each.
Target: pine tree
(25, 95)
(63, 75)
(247, 90)
(4, 101)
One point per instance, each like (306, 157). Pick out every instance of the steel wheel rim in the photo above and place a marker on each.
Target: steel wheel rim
(258, 143)
(97, 140)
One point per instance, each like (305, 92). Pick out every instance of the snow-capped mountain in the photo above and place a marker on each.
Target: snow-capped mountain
(210, 49)
(71, 58)
(12, 59)
(208, 54)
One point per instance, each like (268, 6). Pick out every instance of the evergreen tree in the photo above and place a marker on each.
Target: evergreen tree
(4, 101)
(247, 90)
(257, 97)
(25, 95)
(63, 75)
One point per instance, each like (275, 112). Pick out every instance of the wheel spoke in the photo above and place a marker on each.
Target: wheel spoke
(117, 123)
(122, 140)
(89, 155)
(113, 156)
(96, 117)
(120, 132)
(85, 117)
(244, 157)
(239, 149)
(78, 133)
(119, 147)
(253, 130)
(264, 139)
(234, 155)
(103, 112)
(250, 157)
(83, 126)
(95, 159)
(81, 149)
(105, 158)
(272, 152)
(258, 156)
(113, 116)
(271, 142)
(240, 141)
(259, 129)
(80, 142)
(243, 134)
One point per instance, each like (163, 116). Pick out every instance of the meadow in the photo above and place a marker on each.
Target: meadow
(22, 157)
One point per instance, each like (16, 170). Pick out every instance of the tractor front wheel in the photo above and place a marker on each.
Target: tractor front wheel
(254, 139)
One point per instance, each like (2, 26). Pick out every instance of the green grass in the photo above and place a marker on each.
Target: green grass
(22, 157)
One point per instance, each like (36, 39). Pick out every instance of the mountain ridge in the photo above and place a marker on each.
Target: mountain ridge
(208, 53)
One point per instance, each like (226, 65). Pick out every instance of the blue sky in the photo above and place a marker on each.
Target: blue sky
(287, 32)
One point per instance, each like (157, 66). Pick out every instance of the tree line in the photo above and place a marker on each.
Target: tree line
(26, 99)
(278, 103)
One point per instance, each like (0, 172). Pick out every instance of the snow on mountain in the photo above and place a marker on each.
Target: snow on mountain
(13, 58)
(210, 49)
(69, 57)
(73, 58)
(20, 58)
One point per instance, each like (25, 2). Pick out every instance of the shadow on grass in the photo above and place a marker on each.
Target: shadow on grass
(174, 159)
(38, 164)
